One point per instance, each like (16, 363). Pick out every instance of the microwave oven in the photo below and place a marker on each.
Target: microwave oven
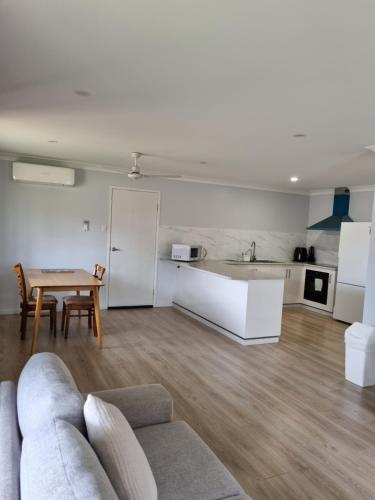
(188, 253)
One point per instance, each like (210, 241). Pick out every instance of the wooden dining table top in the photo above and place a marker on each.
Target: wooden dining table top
(39, 278)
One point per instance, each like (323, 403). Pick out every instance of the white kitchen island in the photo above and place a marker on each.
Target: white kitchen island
(247, 307)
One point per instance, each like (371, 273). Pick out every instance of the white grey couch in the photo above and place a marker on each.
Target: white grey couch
(47, 398)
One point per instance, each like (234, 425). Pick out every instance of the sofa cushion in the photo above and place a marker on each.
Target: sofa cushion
(119, 451)
(58, 463)
(142, 405)
(10, 443)
(183, 465)
(46, 390)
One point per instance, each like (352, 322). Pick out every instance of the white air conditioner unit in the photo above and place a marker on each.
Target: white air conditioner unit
(43, 174)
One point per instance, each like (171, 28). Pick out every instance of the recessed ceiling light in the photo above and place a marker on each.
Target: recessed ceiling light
(294, 179)
(53, 141)
(82, 93)
(299, 135)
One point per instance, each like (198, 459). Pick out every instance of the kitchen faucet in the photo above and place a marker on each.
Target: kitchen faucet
(253, 257)
(251, 252)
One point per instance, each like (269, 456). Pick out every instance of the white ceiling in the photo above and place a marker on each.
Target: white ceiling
(226, 82)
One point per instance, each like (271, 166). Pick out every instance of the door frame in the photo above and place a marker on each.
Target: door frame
(109, 235)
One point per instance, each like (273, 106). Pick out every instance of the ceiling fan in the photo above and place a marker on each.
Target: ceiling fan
(135, 172)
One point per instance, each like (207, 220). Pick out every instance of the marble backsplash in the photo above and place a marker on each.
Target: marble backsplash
(230, 243)
(326, 246)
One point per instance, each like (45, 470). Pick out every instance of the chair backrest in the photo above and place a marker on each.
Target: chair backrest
(99, 271)
(21, 282)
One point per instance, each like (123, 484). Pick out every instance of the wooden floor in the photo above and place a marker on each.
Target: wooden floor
(281, 417)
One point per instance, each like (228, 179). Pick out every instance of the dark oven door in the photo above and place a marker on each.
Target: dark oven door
(316, 286)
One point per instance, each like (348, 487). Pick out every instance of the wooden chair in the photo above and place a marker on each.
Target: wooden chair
(28, 303)
(80, 303)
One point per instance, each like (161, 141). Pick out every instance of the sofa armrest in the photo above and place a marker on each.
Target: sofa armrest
(142, 405)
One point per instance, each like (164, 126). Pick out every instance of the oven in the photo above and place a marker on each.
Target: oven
(316, 286)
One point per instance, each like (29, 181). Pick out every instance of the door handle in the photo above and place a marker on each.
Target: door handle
(114, 249)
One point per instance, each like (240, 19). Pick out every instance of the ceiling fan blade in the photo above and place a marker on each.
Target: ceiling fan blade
(166, 176)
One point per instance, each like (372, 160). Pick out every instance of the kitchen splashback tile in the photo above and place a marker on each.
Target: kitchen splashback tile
(230, 243)
(326, 246)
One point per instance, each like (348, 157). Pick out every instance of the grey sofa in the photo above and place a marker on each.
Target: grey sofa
(183, 466)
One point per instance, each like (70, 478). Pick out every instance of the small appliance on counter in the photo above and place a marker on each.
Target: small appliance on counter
(311, 255)
(188, 253)
(300, 254)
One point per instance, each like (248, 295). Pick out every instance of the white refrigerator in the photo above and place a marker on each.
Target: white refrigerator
(352, 270)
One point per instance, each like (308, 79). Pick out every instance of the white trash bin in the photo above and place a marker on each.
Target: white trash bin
(360, 354)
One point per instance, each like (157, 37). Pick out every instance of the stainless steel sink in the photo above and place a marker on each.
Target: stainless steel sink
(259, 261)
(232, 262)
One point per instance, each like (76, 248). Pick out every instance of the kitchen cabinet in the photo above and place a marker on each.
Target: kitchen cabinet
(293, 277)
(291, 274)
(293, 286)
(248, 310)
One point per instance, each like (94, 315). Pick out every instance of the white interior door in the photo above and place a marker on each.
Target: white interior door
(133, 239)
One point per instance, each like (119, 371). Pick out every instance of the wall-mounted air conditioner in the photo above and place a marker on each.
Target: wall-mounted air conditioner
(43, 174)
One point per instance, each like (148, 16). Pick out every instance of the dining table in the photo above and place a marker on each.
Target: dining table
(63, 280)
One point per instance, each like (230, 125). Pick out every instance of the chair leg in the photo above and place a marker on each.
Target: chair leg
(63, 317)
(78, 293)
(95, 328)
(54, 320)
(67, 319)
(51, 319)
(89, 319)
(23, 323)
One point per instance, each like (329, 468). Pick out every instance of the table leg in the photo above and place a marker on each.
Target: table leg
(38, 309)
(97, 316)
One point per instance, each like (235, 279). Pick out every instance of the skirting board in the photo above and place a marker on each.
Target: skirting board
(6, 312)
(232, 336)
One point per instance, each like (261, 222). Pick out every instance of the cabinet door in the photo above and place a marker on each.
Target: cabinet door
(279, 273)
(294, 285)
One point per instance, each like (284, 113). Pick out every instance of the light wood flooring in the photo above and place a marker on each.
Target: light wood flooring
(280, 416)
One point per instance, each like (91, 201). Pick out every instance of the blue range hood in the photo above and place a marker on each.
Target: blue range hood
(340, 213)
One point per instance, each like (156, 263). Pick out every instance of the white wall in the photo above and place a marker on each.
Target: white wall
(41, 226)
(369, 307)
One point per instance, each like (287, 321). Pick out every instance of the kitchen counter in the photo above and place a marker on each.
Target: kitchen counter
(231, 263)
(290, 274)
(284, 264)
(243, 304)
(228, 271)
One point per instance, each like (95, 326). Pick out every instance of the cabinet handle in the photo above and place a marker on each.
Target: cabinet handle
(286, 274)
